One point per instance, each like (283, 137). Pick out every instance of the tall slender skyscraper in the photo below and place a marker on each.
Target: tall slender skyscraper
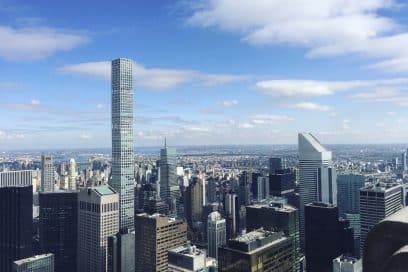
(122, 140)
(216, 233)
(317, 177)
(47, 174)
(72, 175)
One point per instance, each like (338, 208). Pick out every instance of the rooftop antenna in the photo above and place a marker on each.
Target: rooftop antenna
(165, 142)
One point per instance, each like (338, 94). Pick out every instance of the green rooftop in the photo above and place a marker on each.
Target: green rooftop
(104, 190)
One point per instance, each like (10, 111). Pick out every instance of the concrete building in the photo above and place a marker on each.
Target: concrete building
(317, 177)
(47, 174)
(58, 225)
(72, 175)
(231, 206)
(346, 263)
(274, 216)
(326, 236)
(16, 178)
(16, 225)
(216, 233)
(386, 247)
(122, 140)
(378, 201)
(187, 258)
(154, 236)
(98, 219)
(257, 251)
(260, 188)
(38, 263)
(121, 252)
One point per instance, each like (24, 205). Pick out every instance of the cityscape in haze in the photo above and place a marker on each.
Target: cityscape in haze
(204, 136)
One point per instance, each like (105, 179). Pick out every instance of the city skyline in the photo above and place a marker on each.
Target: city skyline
(228, 81)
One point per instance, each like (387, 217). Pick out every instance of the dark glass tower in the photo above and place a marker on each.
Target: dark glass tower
(16, 213)
(327, 237)
(59, 228)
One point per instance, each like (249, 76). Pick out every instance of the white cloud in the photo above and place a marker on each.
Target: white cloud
(245, 125)
(311, 106)
(10, 136)
(100, 105)
(153, 78)
(35, 102)
(294, 87)
(85, 136)
(228, 103)
(269, 118)
(35, 42)
(325, 28)
(346, 124)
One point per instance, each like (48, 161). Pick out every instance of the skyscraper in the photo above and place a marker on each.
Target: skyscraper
(317, 177)
(194, 201)
(47, 174)
(348, 193)
(155, 235)
(244, 189)
(276, 164)
(16, 213)
(327, 237)
(72, 175)
(169, 188)
(16, 178)
(377, 201)
(122, 140)
(59, 228)
(216, 233)
(98, 219)
(276, 217)
(257, 251)
(231, 206)
(38, 263)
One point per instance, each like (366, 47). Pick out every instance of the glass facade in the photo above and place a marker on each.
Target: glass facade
(122, 139)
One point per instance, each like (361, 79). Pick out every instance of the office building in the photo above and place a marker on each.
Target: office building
(257, 251)
(154, 236)
(386, 247)
(348, 193)
(346, 263)
(194, 201)
(232, 210)
(317, 177)
(169, 188)
(260, 188)
(187, 258)
(72, 175)
(122, 140)
(327, 237)
(47, 174)
(244, 188)
(275, 216)
(38, 263)
(121, 251)
(16, 211)
(58, 228)
(212, 192)
(282, 183)
(276, 164)
(98, 219)
(216, 233)
(378, 201)
(16, 178)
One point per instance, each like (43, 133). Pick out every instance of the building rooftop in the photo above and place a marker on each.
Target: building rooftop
(34, 258)
(104, 190)
(380, 186)
(277, 206)
(255, 240)
(346, 259)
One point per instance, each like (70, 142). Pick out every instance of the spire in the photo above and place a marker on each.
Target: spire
(165, 142)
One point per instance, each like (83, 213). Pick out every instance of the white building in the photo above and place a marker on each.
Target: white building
(216, 233)
(187, 258)
(47, 174)
(72, 175)
(347, 264)
(98, 218)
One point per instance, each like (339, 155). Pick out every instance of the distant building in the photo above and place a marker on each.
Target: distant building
(232, 210)
(345, 263)
(98, 219)
(122, 139)
(38, 263)
(58, 225)
(276, 217)
(216, 233)
(155, 235)
(317, 177)
(376, 203)
(348, 193)
(72, 175)
(282, 183)
(194, 201)
(244, 188)
(16, 225)
(326, 236)
(276, 164)
(47, 174)
(187, 258)
(260, 188)
(16, 178)
(257, 251)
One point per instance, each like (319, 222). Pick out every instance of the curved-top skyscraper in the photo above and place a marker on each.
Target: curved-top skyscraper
(122, 140)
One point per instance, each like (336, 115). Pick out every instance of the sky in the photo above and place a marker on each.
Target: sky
(205, 71)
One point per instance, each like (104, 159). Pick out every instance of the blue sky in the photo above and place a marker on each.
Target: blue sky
(206, 72)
